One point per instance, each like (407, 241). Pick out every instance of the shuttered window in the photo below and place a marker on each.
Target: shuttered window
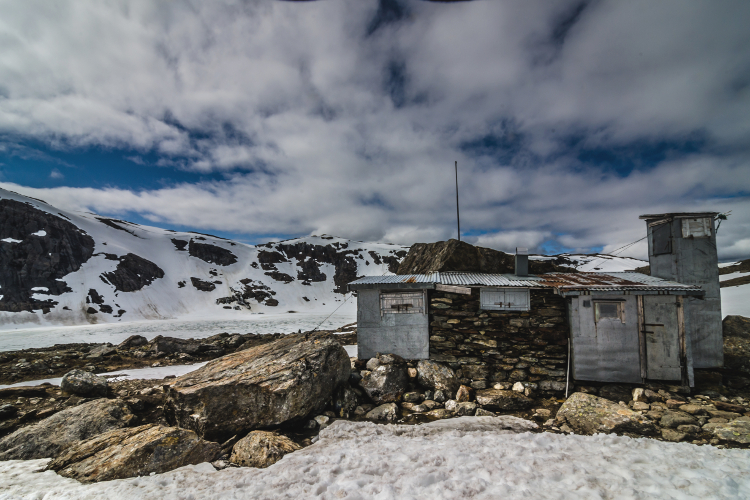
(402, 303)
(505, 299)
(662, 238)
(696, 228)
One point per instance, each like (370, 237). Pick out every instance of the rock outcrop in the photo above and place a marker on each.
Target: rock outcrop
(589, 414)
(133, 273)
(454, 255)
(499, 399)
(260, 387)
(52, 435)
(37, 249)
(261, 449)
(211, 253)
(82, 383)
(132, 452)
(736, 326)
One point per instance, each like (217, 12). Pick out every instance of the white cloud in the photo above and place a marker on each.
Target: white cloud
(292, 102)
(56, 174)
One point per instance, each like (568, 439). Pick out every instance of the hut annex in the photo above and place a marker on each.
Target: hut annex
(556, 327)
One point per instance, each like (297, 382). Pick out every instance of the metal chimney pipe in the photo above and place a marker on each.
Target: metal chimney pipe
(522, 261)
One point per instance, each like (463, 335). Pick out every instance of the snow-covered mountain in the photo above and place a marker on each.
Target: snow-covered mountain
(61, 267)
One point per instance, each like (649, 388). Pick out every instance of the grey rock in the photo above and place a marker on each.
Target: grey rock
(639, 395)
(498, 399)
(386, 383)
(481, 412)
(138, 451)
(589, 414)
(82, 383)
(47, 438)
(133, 341)
(737, 431)
(101, 351)
(437, 376)
(261, 449)
(413, 397)
(345, 401)
(8, 411)
(697, 410)
(689, 429)
(672, 419)
(263, 386)
(440, 396)
(440, 413)
(729, 415)
(673, 435)
(552, 386)
(383, 413)
(372, 363)
(465, 409)
(171, 345)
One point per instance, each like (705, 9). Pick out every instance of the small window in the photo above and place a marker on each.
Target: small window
(662, 238)
(696, 228)
(402, 303)
(609, 311)
(504, 299)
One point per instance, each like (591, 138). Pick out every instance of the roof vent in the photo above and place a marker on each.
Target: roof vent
(522, 261)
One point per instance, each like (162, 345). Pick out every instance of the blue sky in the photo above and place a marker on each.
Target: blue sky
(258, 120)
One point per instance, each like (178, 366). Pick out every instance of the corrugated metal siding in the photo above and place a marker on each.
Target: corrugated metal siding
(451, 278)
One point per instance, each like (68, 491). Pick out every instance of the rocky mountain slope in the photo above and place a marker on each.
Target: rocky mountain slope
(59, 267)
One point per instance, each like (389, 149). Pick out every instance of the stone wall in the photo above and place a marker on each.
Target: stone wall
(497, 349)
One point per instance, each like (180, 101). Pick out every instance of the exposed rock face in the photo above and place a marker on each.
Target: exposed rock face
(259, 387)
(210, 253)
(454, 255)
(171, 345)
(589, 414)
(40, 248)
(52, 435)
(261, 449)
(137, 451)
(203, 286)
(84, 384)
(498, 399)
(736, 326)
(388, 381)
(437, 376)
(133, 273)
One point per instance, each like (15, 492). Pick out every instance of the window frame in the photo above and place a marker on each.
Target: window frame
(705, 227)
(416, 302)
(620, 310)
(497, 307)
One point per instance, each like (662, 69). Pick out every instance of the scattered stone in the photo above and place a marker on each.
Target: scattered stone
(692, 409)
(383, 413)
(466, 408)
(413, 397)
(673, 404)
(133, 341)
(345, 401)
(262, 386)
(615, 393)
(689, 429)
(8, 411)
(503, 400)
(387, 382)
(724, 414)
(589, 414)
(82, 383)
(672, 419)
(552, 386)
(481, 412)
(639, 395)
(322, 421)
(437, 376)
(731, 407)
(463, 394)
(132, 452)
(50, 436)
(639, 406)
(261, 449)
(440, 413)
(737, 431)
(412, 372)
(672, 435)
(440, 396)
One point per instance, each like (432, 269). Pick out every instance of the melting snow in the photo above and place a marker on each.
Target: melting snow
(11, 240)
(40, 289)
(41, 232)
(470, 457)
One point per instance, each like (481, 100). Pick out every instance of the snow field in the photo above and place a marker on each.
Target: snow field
(28, 338)
(469, 457)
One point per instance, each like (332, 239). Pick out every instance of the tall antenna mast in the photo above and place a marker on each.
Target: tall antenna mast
(458, 218)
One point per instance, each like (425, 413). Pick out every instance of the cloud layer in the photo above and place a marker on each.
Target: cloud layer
(568, 118)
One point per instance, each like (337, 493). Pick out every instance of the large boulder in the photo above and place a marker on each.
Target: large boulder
(172, 345)
(264, 386)
(736, 326)
(499, 399)
(589, 414)
(383, 413)
(50, 436)
(437, 376)
(82, 383)
(387, 381)
(261, 449)
(132, 452)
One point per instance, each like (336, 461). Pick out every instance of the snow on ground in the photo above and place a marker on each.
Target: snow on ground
(470, 457)
(735, 300)
(151, 372)
(597, 262)
(725, 277)
(197, 328)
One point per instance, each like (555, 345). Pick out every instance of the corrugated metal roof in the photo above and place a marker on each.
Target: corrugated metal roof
(560, 281)
(612, 281)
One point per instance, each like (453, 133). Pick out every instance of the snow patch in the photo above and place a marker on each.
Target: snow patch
(40, 289)
(469, 457)
(41, 232)
(11, 240)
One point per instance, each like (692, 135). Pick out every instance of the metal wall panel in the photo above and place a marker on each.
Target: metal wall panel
(661, 331)
(608, 351)
(406, 335)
